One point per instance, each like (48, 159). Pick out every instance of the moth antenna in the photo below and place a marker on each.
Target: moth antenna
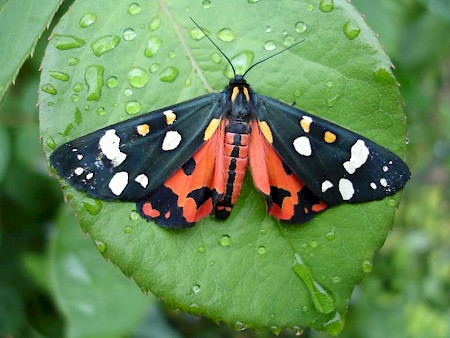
(271, 56)
(215, 45)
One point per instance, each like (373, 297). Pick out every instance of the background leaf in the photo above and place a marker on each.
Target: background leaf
(248, 271)
(22, 23)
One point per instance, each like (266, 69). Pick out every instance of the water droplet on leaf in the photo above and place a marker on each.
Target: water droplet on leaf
(104, 44)
(216, 57)
(134, 8)
(153, 45)
(92, 206)
(331, 235)
(129, 34)
(335, 325)
(59, 75)
(154, 67)
(196, 288)
(78, 87)
(201, 249)
(351, 30)
(138, 77)
(309, 7)
(112, 82)
(49, 89)
(73, 61)
(226, 35)
(169, 74)
(269, 45)
(101, 246)
(134, 215)
(367, 266)
(64, 42)
(262, 250)
(128, 229)
(300, 27)
(87, 20)
(326, 5)
(154, 24)
(268, 29)
(133, 107)
(50, 143)
(206, 4)
(101, 111)
(241, 63)
(225, 240)
(197, 34)
(93, 76)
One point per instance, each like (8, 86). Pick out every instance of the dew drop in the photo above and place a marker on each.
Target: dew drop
(391, 202)
(133, 107)
(93, 76)
(329, 84)
(322, 299)
(128, 92)
(240, 326)
(50, 143)
(59, 75)
(169, 74)
(263, 232)
(288, 40)
(351, 30)
(298, 93)
(206, 4)
(134, 215)
(196, 288)
(112, 82)
(197, 34)
(252, 1)
(326, 5)
(154, 67)
(128, 229)
(87, 20)
(331, 102)
(268, 29)
(101, 246)
(49, 89)
(331, 235)
(137, 77)
(335, 325)
(129, 34)
(134, 8)
(78, 87)
(367, 266)
(104, 44)
(336, 279)
(171, 54)
(241, 63)
(201, 249)
(298, 331)
(225, 240)
(154, 24)
(269, 45)
(73, 61)
(314, 244)
(275, 329)
(64, 42)
(101, 111)
(262, 250)
(300, 27)
(309, 7)
(188, 82)
(216, 57)
(153, 45)
(226, 35)
(75, 98)
(92, 206)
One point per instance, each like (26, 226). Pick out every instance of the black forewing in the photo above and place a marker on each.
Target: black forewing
(349, 169)
(130, 160)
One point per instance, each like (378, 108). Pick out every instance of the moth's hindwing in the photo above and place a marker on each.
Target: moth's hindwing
(336, 164)
(128, 160)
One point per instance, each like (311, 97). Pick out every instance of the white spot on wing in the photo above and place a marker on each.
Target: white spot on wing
(373, 185)
(78, 171)
(303, 146)
(118, 183)
(142, 179)
(171, 140)
(109, 145)
(79, 157)
(359, 156)
(383, 182)
(346, 189)
(326, 185)
(385, 168)
(89, 176)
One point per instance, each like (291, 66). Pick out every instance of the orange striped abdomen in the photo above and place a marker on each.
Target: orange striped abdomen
(237, 136)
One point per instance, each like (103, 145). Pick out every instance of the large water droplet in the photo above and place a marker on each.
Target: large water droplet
(288, 40)
(252, 1)
(206, 4)
(153, 45)
(154, 24)
(351, 30)
(133, 107)
(87, 20)
(73, 61)
(92, 206)
(226, 34)
(101, 111)
(134, 8)
(49, 89)
(134, 215)
(201, 249)
(322, 299)
(154, 67)
(326, 5)
(269, 45)
(129, 34)
(59, 75)
(75, 98)
(331, 235)
(104, 44)
(64, 42)
(268, 29)
(262, 250)
(196, 33)
(169, 74)
(112, 82)
(216, 57)
(78, 87)
(225, 240)
(300, 27)
(309, 7)
(137, 77)
(335, 325)
(94, 80)
(101, 246)
(128, 92)
(196, 288)
(241, 63)
(367, 266)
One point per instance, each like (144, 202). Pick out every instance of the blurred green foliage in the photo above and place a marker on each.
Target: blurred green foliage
(406, 295)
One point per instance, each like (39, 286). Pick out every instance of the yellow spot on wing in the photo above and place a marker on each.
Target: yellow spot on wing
(265, 129)
(143, 129)
(234, 93)
(247, 97)
(170, 116)
(212, 126)
(305, 123)
(329, 137)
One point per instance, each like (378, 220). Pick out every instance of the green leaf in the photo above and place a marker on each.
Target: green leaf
(95, 298)
(22, 23)
(249, 271)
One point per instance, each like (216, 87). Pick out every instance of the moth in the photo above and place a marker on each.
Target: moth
(184, 162)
